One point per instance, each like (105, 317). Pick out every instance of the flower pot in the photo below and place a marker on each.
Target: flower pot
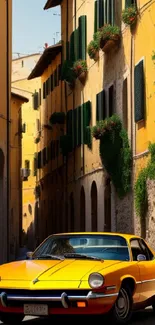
(82, 77)
(107, 45)
(96, 56)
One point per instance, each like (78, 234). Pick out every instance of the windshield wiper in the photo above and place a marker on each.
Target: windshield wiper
(49, 256)
(82, 256)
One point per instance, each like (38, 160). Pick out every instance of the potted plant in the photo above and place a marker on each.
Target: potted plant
(57, 118)
(67, 73)
(109, 37)
(93, 49)
(129, 15)
(80, 70)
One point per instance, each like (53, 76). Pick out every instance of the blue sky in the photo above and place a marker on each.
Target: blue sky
(33, 26)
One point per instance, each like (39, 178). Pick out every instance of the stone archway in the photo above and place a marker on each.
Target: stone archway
(94, 207)
(107, 205)
(82, 209)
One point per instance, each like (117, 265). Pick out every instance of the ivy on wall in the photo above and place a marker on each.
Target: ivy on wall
(140, 189)
(115, 152)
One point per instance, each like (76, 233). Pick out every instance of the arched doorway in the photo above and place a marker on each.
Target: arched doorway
(82, 209)
(71, 223)
(107, 205)
(94, 210)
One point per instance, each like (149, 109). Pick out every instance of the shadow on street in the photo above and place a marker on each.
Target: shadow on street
(142, 317)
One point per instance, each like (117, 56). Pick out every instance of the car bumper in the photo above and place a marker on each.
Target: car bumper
(92, 303)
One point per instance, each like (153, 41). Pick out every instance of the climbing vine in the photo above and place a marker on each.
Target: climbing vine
(115, 152)
(140, 189)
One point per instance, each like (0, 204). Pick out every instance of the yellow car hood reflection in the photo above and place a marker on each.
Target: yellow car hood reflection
(52, 270)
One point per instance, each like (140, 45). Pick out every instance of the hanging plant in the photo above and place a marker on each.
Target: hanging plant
(129, 15)
(57, 118)
(68, 74)
(115, 152)
(37, 139)
(80, 69)
(93, 49)
(140, 188)
(109, 37)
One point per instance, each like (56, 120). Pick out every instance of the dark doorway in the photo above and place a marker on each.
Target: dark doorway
(94, 209)
(107, 206)
(82, 209)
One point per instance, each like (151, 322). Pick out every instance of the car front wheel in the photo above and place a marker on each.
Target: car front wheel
(122, 310)
(11, 318)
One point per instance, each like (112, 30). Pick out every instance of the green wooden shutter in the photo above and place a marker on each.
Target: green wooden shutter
(39, 160)
(111, 100)
(52, 86)
(35, 164)
(74, 128)
(105, 11)
(72, 50)
(112, 12)
(86, 119)
(44, 90)
(139, 92)
(82, 37)
(95, 16)
(76, 44)
(108, 12)
(70, 126)
(128, 3)
(100, 13)
(47, 87)
(79, 126)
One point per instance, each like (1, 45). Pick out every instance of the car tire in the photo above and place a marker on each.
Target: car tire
(122, 310)
(11, 318)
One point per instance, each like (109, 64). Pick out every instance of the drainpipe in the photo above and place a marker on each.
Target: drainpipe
(8, 125)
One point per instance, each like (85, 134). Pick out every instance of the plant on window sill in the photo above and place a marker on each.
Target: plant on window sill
(67, 73)
(140, 189)
(80, 69)
(115, 152)
(93, 49)
(37, 140)
(57, 118)
(129, 15)
(109, 37)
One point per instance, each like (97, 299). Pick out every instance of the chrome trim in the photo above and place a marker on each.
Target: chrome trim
(111, 288)
(145, 281)
(63, 298)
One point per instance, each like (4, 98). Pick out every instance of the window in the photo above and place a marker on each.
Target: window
(39, 160)
(100, 106)
(125, 104)
(138, 246)
(35, 98)
(44, 90)
(104, 12)
(105, 103)
(139, 92)
(39, 96)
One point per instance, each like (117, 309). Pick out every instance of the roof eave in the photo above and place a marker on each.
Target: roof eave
(51, 4)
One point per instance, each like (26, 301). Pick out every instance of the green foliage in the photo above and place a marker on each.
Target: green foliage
(79, 66)
(67, 72)
(140, 189)
(129, 15)
(115, 152)
(57, 118)
(108, 32)
(93, 48)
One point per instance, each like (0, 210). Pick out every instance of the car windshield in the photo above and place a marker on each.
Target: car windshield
(106, 247)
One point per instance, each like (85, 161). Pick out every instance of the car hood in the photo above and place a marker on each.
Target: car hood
(55, 270)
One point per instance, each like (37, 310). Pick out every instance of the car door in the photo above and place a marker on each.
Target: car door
(146, 268)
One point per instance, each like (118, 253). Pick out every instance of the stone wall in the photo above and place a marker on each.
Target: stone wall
(150, 217)
(124, 214)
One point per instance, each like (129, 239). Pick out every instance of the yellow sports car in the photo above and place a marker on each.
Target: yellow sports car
(80, 273)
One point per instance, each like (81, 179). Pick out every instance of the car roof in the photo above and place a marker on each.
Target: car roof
(126, 236)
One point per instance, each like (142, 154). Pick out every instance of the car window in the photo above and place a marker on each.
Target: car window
(138, 246)
(146, 250)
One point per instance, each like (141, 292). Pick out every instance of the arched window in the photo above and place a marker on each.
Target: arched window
(107, 206)
(94, 209)
(82, 209)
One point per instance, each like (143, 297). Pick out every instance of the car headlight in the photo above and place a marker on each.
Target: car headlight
(96, 280)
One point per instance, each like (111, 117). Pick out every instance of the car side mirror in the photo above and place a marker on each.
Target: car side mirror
(29, 255)
(141, 257)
